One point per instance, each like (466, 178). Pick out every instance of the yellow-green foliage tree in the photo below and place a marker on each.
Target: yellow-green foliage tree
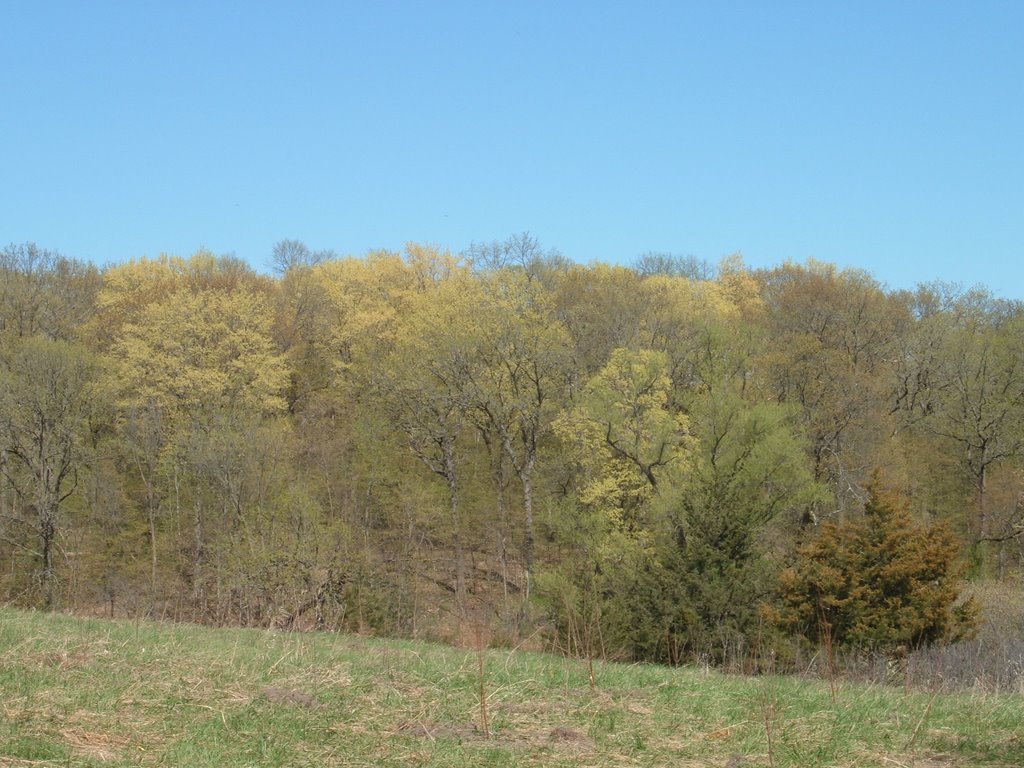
(423, 382)
(879, 582)
(199, 351)
(625, 417)
(602, 309)
(191, 362)
(744, 468)
(628, 449)
(363, 300)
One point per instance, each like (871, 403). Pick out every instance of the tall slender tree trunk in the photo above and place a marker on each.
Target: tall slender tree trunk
(3, 489)
(979, 547)
(459, 550)
(526, 477)
(524, 470)
(47, 534)
(497, 457)
(502, 538)
(198, 558)
(152, 553)
(46, 505)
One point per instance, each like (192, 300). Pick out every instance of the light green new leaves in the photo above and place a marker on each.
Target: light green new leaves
(623, 433)
(202, 349)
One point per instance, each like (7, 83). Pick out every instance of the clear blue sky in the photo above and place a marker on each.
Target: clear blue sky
(882, 135)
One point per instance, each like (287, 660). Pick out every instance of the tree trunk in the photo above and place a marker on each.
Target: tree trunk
(528, 545)
(47, 533)
(979, 547)
(152, 557)
(498, 476)
(453, 508)
(197, 559)
(3, 490)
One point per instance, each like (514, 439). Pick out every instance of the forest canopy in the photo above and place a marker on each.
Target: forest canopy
(638, 462)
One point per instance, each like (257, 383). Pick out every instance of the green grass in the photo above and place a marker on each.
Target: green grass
(78, 692)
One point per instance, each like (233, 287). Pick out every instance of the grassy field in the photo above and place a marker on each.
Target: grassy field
(85, 692)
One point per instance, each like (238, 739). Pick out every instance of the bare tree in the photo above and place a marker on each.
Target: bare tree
(44, 404)
(521, 251)
(43, 292)
(289, 255)
(653, 263)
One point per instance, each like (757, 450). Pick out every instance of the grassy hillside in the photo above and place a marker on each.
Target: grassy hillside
(98, 693)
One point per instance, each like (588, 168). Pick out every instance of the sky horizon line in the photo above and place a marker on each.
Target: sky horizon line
(880, 136)
(265, 265)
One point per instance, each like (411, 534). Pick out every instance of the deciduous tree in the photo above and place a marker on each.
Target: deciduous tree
(45, 402)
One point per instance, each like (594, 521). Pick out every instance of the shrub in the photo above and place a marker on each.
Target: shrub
(881, 582)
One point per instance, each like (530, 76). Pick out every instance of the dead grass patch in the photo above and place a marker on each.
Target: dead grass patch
(560, 739)
(95, 745)
(62, 659)
(290, 697)
(572, 737)
(434, 731)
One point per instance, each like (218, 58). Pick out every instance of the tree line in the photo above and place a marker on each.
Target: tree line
(654, 462)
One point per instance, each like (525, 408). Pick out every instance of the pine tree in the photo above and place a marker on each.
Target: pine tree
(880, 582)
